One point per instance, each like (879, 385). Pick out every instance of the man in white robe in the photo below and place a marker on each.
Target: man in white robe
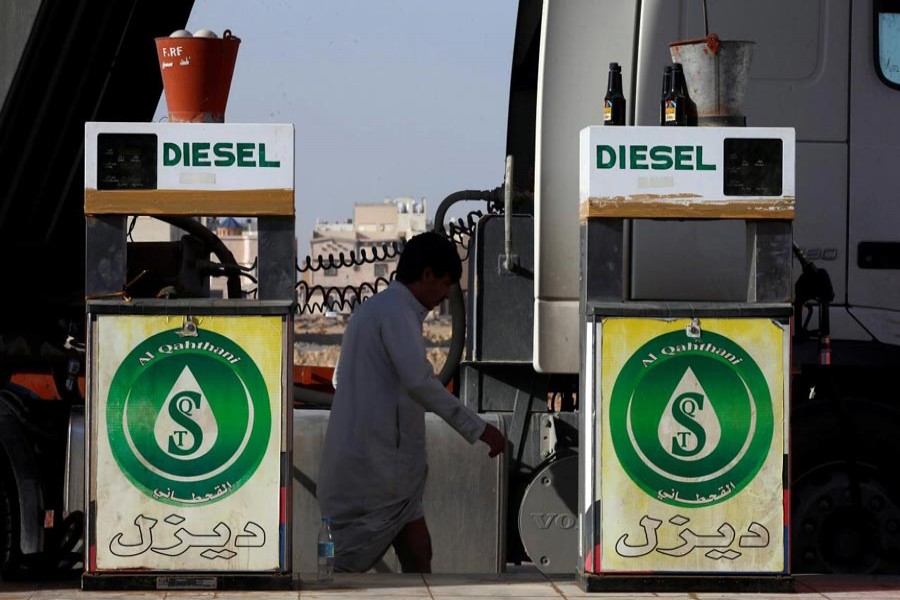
(373, 467)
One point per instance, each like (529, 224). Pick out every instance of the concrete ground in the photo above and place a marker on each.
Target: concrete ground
(449, 587)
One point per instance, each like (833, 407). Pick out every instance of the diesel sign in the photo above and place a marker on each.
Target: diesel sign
(660, 158)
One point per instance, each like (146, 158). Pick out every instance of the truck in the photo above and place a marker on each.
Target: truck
(826, 68)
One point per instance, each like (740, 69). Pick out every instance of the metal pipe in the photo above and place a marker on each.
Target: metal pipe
(460, 196)
(457, 334)
(457, 302)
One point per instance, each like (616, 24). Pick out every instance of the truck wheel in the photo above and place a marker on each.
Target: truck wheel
(7, 529)
(846, 521)
(845, 497)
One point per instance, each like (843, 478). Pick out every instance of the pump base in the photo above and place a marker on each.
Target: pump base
(776, 584)
(186, 581)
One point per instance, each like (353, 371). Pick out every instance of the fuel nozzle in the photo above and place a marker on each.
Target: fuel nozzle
(813, 287)
(814, 283)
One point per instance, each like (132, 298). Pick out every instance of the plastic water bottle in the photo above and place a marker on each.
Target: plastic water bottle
(326, 551)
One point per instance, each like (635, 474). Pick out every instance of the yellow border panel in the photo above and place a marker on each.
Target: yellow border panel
(239, 203)
(662, 207)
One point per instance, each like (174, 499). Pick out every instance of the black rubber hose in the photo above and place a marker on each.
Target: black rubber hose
(457, 335)
(462, 196)
(457, 302)
(215, 244)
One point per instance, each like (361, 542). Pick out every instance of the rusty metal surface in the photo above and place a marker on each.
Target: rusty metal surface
(685, 206)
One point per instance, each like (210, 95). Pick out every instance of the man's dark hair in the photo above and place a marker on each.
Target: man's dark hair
(428, 249)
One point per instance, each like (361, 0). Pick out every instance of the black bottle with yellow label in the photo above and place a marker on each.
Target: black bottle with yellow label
(614, 101)
(675, 99)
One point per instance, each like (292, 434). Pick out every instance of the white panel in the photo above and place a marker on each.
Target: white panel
(659, 25)
(820, 228)
(586, 439)
(844, 326)
(671, 162)
(467, 529)
(874, 216)
(556, 336)
(799, 72)
(885, 324)
(195, 156)
(579, 38)
(798, 77)
(874, 156)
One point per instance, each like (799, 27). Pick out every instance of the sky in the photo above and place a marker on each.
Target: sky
(389, 98)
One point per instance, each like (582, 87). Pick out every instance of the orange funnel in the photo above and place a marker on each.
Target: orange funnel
(196, 74)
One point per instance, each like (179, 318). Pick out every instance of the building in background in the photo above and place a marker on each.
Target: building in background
(374, 228)
(241, 237)
(148, 229)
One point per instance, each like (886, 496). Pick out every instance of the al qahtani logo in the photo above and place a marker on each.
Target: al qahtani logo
(691, 418)
(188, 418)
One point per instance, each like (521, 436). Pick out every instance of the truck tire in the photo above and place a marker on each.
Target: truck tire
(845, 495)
(8, 527)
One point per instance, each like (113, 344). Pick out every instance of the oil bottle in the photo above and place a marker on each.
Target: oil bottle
(614, 102)
(666, 84)
(675, 102)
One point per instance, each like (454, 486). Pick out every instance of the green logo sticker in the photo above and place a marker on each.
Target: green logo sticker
(691, 419)
(188, 418)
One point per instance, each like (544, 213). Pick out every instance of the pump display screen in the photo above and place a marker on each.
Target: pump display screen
(753, 167)
(126, 161)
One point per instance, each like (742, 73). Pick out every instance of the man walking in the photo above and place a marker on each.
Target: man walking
(373, 468)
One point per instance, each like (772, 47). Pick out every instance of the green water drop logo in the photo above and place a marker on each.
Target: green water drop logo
(188, 420)
(186, 427)
(691, 420)
(689, 428)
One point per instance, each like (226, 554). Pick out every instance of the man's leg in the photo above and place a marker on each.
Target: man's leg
(413, 547)
(358, 547)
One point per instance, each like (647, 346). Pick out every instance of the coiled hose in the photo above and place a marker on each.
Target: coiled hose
(457, 303)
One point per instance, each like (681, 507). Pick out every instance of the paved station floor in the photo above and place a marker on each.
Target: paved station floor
(449, 587)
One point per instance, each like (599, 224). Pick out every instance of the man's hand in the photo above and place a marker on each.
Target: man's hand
(494, 439)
